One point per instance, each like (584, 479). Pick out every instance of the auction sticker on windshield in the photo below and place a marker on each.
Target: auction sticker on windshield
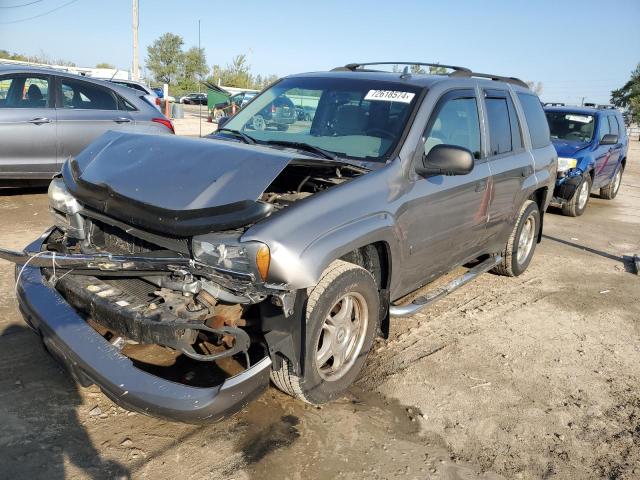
(579, 118)
(390, 96)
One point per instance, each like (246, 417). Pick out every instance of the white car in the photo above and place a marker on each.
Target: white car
(149, 95)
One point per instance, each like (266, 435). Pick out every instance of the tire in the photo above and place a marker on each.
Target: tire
(610, 191)
(318, 382)
(578, 203)
(521, 245)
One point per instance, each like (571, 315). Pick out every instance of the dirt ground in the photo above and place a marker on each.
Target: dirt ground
(536, 377)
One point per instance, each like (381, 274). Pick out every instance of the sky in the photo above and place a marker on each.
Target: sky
(575, 48)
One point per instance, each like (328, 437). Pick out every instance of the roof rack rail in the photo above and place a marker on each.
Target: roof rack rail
(457, 71)
(607, 107)
(354, 66)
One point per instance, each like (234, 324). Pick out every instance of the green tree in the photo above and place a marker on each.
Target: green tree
(105, 65)
(165, 58)
(628, 96)
(194, 68)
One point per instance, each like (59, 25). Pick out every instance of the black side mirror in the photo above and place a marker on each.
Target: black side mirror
(222, 121)
(609, 139)
(446, 160)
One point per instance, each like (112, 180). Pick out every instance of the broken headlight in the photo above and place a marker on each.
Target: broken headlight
(565, 164)
(228, 253)
(60, 199)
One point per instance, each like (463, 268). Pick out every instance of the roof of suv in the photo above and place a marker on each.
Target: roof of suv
(420, 80)
(580, 110)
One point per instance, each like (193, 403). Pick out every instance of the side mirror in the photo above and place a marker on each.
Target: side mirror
(609, 139)
(222, 121)
(446, 160)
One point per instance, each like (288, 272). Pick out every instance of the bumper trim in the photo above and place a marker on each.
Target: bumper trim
(91, 359)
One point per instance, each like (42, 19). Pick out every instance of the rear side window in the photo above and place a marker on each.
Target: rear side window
(536, 120)
(86, 96)
(499, 127)
(22, 91)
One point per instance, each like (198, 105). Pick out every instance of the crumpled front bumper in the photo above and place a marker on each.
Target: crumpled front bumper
(90, 359)
(565, 188)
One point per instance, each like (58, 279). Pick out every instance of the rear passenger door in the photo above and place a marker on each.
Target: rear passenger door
(509, 162)
(86, 111)
(615, 150)
(27, 127)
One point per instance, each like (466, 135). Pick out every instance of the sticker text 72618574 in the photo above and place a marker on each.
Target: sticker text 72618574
(389, 96)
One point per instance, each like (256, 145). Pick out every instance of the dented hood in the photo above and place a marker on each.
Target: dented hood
(174, 185)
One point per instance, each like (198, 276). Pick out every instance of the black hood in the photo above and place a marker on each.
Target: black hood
(174, 185)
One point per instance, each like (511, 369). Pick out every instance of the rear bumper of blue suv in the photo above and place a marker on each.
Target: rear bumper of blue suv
(90, 359)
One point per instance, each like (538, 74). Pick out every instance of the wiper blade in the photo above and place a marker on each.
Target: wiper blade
(246, 138)
(304, 146)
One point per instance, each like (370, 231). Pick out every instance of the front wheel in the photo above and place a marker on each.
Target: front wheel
(519, 249)
(578, 203)
(341, 322)
(610, 191)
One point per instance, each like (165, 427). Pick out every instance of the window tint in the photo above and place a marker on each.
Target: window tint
(24, 92)
(536, 120)
(604, 127)
(613, 125)
(85, 96)
(499, 125)
(456, 123)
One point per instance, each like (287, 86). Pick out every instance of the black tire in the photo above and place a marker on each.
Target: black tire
(339, 279)
(512, 265)
(575, 207)
(610, 191)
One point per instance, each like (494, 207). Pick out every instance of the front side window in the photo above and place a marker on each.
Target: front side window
(80, 95)
(571, 126)
(456, 123)
(604, 127)
(354, 118)
(21, 91)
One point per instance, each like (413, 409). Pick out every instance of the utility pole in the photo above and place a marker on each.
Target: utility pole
(136, 67)
(199, 83)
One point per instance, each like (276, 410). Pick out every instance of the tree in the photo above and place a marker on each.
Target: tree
(628, 96)
(105, 65)
(535, 87)
(194, 68)
(165, 58)
(40, 58)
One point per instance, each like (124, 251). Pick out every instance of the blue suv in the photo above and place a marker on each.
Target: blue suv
(592, 148)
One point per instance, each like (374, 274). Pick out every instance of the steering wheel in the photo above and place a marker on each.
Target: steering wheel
(379, 132)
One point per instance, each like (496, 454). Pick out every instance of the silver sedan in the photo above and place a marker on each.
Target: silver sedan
(48, 115)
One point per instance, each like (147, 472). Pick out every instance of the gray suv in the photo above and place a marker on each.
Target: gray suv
(183, 274)
(47, 115)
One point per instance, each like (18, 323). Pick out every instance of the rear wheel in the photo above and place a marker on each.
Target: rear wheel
(519, 249)
(341, 322)
(578, 203)
(610, 191)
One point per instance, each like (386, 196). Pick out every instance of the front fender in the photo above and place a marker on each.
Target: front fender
(303, 269)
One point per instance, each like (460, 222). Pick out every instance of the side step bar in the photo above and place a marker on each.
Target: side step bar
(439, 293)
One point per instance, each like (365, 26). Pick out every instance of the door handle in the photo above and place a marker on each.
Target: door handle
(122, 120)
(481, 186)
(39, 120)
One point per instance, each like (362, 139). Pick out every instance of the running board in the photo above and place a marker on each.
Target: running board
(439, 293)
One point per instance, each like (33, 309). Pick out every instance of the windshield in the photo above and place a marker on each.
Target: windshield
(573, 127)
(360, 119)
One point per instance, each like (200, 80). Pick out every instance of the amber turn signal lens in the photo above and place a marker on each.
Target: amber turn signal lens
(263, 258)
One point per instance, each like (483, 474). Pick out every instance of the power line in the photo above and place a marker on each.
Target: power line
(40, 15)
(22, 5)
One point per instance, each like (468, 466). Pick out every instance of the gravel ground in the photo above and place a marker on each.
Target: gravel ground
(533, 377)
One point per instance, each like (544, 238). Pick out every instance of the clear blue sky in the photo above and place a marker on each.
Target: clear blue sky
(575, 48)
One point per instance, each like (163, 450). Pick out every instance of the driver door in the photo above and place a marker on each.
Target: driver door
(444, 219)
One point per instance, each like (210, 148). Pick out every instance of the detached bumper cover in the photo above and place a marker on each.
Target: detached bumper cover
(90, 359)
(565, 188)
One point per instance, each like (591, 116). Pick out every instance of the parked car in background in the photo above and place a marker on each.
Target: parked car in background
(282, 254)
(160, 92)
(279, 114)
(194, 99)
(149, 94)
(592, 149)
(47, 116)
(232, 104)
